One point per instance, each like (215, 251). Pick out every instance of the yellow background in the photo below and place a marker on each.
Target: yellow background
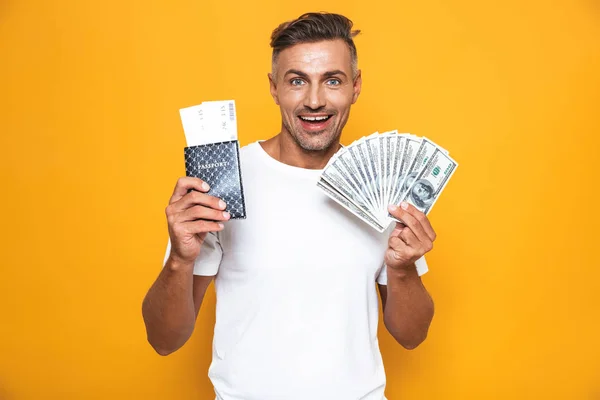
(92, 146)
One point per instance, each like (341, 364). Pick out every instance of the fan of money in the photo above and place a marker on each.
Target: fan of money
(387, 168)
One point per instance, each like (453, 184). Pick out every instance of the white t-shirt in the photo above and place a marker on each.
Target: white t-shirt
(297, 305)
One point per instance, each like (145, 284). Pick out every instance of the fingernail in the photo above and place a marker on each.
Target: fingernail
(404, 205)
(221, 226)
(392, 207)
(225, 214)
(222, 204)
(205, 186)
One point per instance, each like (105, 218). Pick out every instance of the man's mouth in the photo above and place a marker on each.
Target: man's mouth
(314, 119)
(314, 123)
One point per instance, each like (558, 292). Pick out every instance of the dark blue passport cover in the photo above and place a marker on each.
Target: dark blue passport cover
(218, 164)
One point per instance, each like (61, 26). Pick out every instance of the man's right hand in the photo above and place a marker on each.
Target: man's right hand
(191, 214)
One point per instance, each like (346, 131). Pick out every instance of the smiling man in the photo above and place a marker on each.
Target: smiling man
(296, 282)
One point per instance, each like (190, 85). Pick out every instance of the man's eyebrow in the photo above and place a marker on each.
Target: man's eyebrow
(296, 72)
(304, 75)
(334, 72)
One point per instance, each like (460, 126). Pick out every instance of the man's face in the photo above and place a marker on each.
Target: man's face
(314, 87)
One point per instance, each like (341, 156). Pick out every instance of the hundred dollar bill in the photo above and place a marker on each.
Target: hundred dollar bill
(430, 181)
(351, 174)
(334, 177)
(382, 180)
(337, 197)
(391, 149)
(372, 145)
(398, 155)
(359, 162)
(368, 165)
(411, 147)
(382, 169)
(387, 138)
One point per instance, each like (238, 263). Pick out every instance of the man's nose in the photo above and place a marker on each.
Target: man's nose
(315, 98)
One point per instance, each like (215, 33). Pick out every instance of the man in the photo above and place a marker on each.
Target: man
(297, 309)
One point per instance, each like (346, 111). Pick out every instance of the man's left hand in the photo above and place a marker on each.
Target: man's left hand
(409, 241)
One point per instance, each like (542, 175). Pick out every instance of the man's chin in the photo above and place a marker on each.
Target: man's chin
(315, 141)
(314, 144)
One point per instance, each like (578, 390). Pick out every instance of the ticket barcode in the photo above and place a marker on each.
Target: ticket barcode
(231, 112)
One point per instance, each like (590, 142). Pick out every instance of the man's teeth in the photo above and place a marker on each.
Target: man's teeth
(323, 118)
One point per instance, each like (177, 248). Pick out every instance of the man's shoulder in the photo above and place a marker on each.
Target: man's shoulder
(249, 157)
(250, 151)
(248, 147)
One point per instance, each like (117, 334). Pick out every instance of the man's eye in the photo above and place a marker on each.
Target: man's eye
(333, 82)
(296, 82)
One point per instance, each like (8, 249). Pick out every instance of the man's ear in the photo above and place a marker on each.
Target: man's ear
(273, 87)
(357, 86)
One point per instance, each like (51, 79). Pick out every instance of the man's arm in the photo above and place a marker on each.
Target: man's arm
(407, 306)
(172, 303)
(171, 306)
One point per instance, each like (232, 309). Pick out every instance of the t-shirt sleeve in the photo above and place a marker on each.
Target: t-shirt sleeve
(421, 265)
(209, 260)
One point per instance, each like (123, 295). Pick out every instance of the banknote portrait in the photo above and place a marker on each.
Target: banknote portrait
(422, 193)
(409, 181)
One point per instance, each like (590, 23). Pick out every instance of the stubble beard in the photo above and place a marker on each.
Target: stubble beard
(317, 141)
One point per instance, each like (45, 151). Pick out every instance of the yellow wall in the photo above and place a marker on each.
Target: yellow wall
(92, 145)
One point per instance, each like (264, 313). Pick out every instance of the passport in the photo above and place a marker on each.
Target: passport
(218, 164)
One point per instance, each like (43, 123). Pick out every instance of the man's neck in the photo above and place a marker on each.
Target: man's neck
(284, 149)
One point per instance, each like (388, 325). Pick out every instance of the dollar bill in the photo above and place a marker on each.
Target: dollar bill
(382, 167)
(416, 148)
(393, 140)
(372, 145)
(349, 179)
(334, 177)
(398, 154)
(388, 168)
(346, 164)
(368, 165)
(340, 199)
(358, 160)
(387, 139)
(430, 181)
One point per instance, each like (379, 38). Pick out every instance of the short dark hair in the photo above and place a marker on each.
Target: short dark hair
(311, 28)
